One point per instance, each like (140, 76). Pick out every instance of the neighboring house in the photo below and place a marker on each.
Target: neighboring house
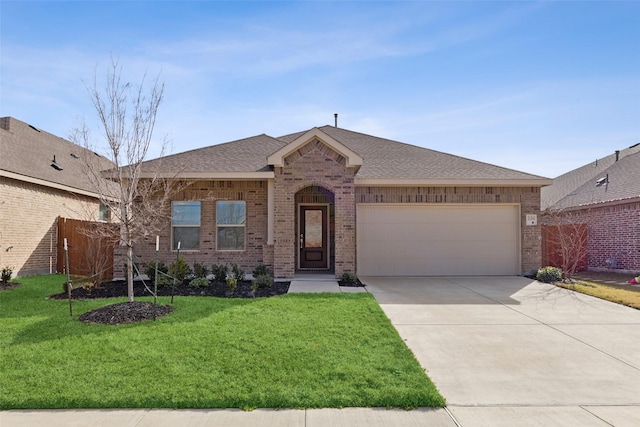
(41, 178)
(332, 200)
(605, 196)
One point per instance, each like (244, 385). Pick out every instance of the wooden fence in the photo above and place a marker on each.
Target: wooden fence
(573, 237)
(89, 255)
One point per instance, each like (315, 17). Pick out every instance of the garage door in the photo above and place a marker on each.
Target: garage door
(438, 240)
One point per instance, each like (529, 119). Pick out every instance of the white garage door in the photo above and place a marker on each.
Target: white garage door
(438, 240)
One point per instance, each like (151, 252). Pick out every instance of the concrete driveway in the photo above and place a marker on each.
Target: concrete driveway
(512, 351)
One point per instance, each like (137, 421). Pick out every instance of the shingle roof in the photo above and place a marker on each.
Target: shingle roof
(28, 152)
(578, 187)
(244, 155)
(383, 159)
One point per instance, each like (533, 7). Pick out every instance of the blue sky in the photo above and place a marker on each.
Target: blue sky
(541, 87)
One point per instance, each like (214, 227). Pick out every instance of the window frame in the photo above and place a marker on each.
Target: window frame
(174, 244)
(242, 225)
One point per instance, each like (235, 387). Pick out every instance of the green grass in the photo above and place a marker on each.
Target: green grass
(292, 351)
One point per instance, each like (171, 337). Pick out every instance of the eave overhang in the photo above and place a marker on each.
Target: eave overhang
(227, 176)
(48, 184)
(428, 182)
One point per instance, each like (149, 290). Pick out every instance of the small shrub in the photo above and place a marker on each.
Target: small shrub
(262, 282)
(200, 270)
(199, 282)
(219, 272)
(180, 269)
(549, 275)
(164, 280)
(261, 270)
(232, 282)
(348, 278)
(5, 274)
(150, 270)
(237, 273)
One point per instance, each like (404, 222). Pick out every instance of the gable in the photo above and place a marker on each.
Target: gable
(315, 139)
(316, 145)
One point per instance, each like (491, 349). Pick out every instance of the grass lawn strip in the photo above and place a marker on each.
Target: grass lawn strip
(292, 351)
(625, 295)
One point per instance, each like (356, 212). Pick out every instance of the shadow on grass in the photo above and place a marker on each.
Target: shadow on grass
(49, 320)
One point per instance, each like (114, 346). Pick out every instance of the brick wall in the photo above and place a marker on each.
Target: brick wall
(614, 236)
(314, 164)
(254, 193)
(28, 224)
(527, 197)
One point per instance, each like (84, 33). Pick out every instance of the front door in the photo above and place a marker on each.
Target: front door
(313, 238)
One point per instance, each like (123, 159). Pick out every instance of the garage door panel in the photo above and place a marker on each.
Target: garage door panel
(438, 240)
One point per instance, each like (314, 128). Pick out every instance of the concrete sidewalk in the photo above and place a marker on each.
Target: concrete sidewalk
(347, 417)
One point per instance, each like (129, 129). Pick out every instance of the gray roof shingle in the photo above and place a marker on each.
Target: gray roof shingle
(578, 187)
(29, 152)
(383, 159)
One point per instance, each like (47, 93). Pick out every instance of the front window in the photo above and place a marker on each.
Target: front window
(230, 223)
(104, 214)
(185, 223)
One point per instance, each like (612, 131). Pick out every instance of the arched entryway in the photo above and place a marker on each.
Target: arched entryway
(315, 229)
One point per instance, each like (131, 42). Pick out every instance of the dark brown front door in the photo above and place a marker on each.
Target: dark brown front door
(313, 237)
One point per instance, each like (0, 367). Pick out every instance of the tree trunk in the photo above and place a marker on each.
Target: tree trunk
(130, 273)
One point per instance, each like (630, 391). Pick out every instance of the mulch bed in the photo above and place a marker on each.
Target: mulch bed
(130, 312)
(125, 312)
(118, 288)
(605, 277)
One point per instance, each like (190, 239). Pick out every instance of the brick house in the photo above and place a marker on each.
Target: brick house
(604, 196)
(41, 179)
(332, 200)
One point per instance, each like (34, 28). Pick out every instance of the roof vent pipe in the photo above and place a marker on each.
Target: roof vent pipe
(335, 118)
(617, 155)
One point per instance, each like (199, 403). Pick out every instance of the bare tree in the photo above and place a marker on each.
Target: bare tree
(565, 235)
(135, 193)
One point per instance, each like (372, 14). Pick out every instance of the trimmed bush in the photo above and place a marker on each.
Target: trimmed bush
(262, 282)
(348, 278)
(150, 270)
(200, 270)
(549, 275)
(232, 282)
(199, 282)
(180, 269)
(5, 274)
(219, 272)
(261, 270)
(237, 272)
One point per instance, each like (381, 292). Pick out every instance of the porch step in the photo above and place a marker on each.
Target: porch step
(318, 283)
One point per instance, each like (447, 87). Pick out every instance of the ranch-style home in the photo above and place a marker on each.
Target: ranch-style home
(333, 200)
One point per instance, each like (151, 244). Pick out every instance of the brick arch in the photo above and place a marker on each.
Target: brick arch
(300, 193)
(314, 183)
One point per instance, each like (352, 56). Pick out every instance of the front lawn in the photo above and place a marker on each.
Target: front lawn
(291, 351)
(625, 295)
